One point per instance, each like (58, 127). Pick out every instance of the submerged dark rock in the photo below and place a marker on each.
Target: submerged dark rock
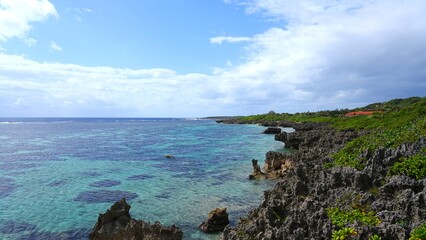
(117, 224)
(10, 227)
(7, 187)
(140, 177)
(105, 183)
(57, 183)
(102, 196)
(217, 221)
(75, 234)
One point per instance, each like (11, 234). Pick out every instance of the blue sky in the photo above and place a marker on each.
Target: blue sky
(141, 34)
(192, 58)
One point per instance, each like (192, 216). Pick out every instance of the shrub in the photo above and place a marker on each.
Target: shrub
(375, 237)
(340, 217)
(419, 233)
(413, 166)
(343, 233)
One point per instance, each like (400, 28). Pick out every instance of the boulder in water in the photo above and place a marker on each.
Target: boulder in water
(272, 130)
(217, 221)
(116, 224)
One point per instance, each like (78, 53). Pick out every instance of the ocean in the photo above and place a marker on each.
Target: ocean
(58, 174)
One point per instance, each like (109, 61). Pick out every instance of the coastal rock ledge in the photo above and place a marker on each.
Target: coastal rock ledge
(306, 198)
(116, 224)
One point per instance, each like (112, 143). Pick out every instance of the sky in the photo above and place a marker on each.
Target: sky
(196, 58)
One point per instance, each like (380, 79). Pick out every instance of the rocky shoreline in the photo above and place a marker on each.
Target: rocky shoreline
(298, 207)
(306, 194)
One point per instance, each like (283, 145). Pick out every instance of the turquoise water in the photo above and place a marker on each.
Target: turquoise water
(57, 175)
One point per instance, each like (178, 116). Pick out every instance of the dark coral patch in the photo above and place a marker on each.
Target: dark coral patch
(78, 234)
(164, 195)
(11, 227)
(17, 166)
(104, 196)
(216, 183)
(223, 177)
(57, 183)
(105, 183)
(90, 174)
(139, 177)
(7, 186)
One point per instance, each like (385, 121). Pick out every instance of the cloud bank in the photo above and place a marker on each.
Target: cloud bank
(16, 16)
(327, 54)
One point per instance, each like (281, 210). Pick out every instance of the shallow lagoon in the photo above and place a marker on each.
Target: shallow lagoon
(57, 175)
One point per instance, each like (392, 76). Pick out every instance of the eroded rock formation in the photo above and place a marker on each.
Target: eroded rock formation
(116, 224)
(217, 221)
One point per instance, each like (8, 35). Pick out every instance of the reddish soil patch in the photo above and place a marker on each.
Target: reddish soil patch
(358, 113)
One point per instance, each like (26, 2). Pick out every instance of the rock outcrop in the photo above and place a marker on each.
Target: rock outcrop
(276, 165)
(116, 224)
(296, 208)
(272, 130)
(312, 140)
(257, 172)
(217, 221)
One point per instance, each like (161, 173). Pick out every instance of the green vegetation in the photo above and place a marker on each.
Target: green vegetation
(390, 130)
(392, 104)
(397, 122)
(413, 166)
(374, 191)
(343, 233)
(352, 154)
(394, 113)
(298, 117)
(375, 237)
(419, 233)
(403, 223)
(341, 218)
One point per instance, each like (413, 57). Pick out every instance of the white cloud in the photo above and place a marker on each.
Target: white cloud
(55, 47)
(16, 16)
(327, 54)
(331, 54)
(80, 12)
(221, 39)
(67, 90)
(30, 42)
(20, 102)
(87, 10)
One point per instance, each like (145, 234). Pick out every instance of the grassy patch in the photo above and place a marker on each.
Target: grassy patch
(390, 130)
(341, 218)
(413, 166)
